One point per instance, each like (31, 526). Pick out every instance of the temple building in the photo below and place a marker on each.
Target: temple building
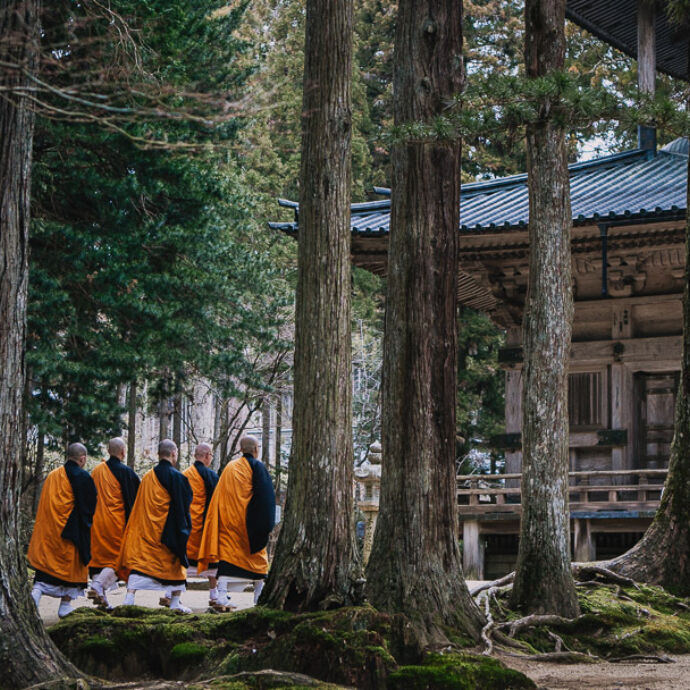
(628, 264)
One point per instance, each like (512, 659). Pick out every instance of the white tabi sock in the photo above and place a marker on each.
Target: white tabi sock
(36, 596)
(129, 599)
(213, 594)
(65, 609)
(176, 605)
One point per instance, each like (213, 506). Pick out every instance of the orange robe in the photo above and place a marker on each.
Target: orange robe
(142, 550)
(225, 536)
(48, 551)
(109, 520)
(196, 510)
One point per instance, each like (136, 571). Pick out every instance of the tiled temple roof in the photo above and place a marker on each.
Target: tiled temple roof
(634, 186)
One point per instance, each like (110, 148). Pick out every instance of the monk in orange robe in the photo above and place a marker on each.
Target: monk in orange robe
(203, 481)
(60, 546)
(117, 487)
(154, 547)
(240, 518)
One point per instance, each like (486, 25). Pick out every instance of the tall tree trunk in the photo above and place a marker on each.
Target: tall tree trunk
(266, 431)
(278, 444)
(164, 413)
(132, 424)
(662, 556)
(414, 565)
(177, 419)
(217, 406)
(121, 401)
(38, 470)
(27, 655)
(316, 562)
(543, 579)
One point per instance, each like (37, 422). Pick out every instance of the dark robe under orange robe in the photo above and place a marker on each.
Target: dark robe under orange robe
(235, 533)
(198, 507)
(58, 559)
(142, 548)
(111, 515)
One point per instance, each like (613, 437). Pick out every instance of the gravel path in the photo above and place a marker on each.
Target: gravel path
(604, 676)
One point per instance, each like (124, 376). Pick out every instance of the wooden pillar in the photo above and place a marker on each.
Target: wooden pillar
(584, 549)
(266, 431)
(472, 551)
(646, 65)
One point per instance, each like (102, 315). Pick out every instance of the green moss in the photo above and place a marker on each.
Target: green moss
(457, 672)
(188, 654)
(648, 620)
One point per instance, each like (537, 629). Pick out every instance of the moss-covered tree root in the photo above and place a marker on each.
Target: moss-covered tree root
(356, 647)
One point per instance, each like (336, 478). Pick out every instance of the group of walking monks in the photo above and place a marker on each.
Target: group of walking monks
(154, 532)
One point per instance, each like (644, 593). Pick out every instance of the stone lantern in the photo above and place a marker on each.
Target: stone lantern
(368, 478)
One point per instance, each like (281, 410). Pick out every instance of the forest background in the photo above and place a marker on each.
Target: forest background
(151, 257)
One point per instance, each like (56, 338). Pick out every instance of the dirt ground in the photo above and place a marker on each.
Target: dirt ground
(605, 676)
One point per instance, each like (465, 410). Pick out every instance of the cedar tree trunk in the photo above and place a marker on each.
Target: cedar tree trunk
(316, 563)
(266, 431)
(662, 556)
(415, 565)
(132, 424)
(27, 656)
(543, 579)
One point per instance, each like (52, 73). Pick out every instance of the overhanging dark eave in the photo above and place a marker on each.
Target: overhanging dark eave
(615, 22)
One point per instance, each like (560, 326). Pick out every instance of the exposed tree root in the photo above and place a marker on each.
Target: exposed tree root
(643, 659)
(584, 573)
(559, 657)
(501, 582)
(487, 629)
(583, 570)
(530, 621)
(499, 637)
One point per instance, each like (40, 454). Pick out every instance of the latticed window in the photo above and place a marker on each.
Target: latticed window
(585, 400)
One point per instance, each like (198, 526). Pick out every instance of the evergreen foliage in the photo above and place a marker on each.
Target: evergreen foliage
(146, 262)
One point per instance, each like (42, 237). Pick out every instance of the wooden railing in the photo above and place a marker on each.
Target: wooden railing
(596, 490)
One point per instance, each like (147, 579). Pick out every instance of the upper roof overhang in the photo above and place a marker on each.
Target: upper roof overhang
(615, 21)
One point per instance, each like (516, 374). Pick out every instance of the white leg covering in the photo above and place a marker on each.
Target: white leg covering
(65, 609)
(258, 586)
(176, 605)
(36, 596)
(129, 598)
(107, 579)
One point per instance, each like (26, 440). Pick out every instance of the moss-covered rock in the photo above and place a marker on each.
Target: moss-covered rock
(457, 672)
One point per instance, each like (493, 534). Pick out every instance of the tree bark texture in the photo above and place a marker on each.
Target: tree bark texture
(27, 655)
(132, 423)
(415, 566)
(662, 556)
(266, 431)
(543, 580)
(316, 563)
(278, 444)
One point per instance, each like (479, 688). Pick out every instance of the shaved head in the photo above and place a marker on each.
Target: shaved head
(77, 453)
(167, 450)
(117, 448)
(249, 444)
(204, 453)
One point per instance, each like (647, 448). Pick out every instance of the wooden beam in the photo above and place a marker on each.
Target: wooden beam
(646, 65)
